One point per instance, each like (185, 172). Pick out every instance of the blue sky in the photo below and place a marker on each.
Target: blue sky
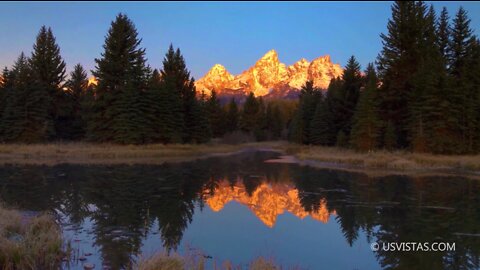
(234, 34)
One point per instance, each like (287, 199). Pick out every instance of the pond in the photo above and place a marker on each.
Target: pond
(239, 207)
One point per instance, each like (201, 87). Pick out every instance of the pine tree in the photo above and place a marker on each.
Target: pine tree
(249, 113)
(76, 100)
(473, 105)
(6, 89)
(443, 32)
(201, 131)
(119, 111)
(167, 114)
(261, 125)
(274, 121)
(460, 53)
(424, 82)
(20, 115)
(397, 64)
(322, 128)
(215, 115)
(300, 128)
(333, 105)
(350, 91)
(441, 115)
(366, 122)
(232, 116)
(172, 81)
(181, 86)
(48, 70)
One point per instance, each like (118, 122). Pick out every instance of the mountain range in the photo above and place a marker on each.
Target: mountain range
(269, 78)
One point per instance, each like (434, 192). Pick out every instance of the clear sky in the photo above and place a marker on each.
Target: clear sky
(234, 34)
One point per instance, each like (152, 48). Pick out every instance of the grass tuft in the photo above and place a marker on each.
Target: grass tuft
(34, 243)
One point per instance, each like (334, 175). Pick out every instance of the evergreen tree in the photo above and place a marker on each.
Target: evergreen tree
(461, 52)
(215, 115)
(261, 125)
(397, 64)
(333, 104)
(439, 108)
(390, 137)
(274, 121)
(301, 124)
(424, 82)
(201, 131)
(443, 33)
(366, 122)
(350, 91)
(181, 88)
(74, 124)
(21, 114)
(166, 115)
(172, 81)
(232, 116)
(473, 105)
(249, 114)
(322, 129)
(6, 89)
(48, 71)
(119, 110)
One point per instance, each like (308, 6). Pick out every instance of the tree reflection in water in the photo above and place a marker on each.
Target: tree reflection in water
(124, 202)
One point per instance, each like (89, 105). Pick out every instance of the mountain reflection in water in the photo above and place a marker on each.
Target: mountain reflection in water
(266, 202)
(309, 217)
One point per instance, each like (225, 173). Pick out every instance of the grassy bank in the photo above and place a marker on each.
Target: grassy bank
(399, 161)
(160, 261)
(89, 153)
(29, 243)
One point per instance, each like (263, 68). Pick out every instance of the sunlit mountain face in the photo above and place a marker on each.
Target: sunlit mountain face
(270, 78)
(266, 202)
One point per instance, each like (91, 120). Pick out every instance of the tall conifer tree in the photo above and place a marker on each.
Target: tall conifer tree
(120, 96)
(48, 71)
(366, 123)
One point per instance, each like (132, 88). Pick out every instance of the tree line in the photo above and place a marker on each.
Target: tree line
(129, 104)
(423, 94)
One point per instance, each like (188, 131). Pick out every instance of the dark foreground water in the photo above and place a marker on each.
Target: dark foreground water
(238, 208)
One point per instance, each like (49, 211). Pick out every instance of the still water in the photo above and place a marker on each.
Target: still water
(239, 207)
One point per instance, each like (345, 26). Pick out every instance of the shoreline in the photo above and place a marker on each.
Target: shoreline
(378, 163)
(376, 172)
(111, 154)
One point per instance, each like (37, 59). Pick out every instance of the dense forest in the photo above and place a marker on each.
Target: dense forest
(421, 94)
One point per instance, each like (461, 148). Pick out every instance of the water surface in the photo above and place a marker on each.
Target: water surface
(239, 207)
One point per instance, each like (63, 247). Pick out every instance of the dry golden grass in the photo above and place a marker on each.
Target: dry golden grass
(90, 153)
(161, 261)
(263, 264)
(393, 161)
(34, 243)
